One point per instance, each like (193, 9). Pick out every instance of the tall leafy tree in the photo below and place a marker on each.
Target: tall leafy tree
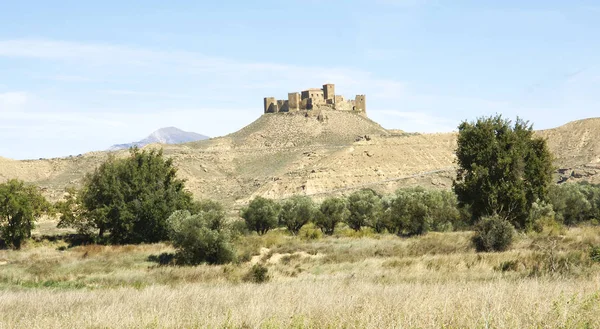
(129, 199)
(332, 211)
(261, 215)
(503, 168)
(364, 206)
(295, 212)
(20, 206)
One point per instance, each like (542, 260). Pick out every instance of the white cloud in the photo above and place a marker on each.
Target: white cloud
(12, 101)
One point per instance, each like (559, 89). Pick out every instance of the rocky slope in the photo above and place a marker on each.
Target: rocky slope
(321, 154)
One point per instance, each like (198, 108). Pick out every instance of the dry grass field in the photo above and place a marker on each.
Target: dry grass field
(349, 280)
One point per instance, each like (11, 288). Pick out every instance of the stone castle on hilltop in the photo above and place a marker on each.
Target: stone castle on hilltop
(316, 99)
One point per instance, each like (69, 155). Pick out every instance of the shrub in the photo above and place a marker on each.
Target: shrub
(416, 211)
(261, 215)
(493, 234)
(309, 232)
(364, 207)
(20, 205)
(198, 240)
(257, 274)
(130, 199)
(575, 203)
(331, 212)
(295, 212)
(595, 254)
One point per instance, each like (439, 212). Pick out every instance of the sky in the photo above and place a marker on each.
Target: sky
(80, 76)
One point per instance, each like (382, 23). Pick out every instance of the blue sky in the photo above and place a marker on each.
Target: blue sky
(77, 76)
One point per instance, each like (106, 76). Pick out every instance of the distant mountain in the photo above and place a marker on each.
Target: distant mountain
(169, 135)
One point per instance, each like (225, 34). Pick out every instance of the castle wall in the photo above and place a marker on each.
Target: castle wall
(329, 93)
(283, 106)
(270, 105)
(360, 103)
(294, 102)
(316, 99)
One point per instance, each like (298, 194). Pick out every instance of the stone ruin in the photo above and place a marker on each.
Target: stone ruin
(316, 99)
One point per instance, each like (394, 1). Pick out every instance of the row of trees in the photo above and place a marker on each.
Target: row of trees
(504, 176)
(408, 212)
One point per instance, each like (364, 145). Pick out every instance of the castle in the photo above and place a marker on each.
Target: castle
(315, 99)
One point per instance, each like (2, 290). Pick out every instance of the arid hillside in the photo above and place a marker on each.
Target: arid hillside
(328, 152)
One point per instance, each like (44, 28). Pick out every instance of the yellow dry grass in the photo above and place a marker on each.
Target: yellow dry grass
(370, 281)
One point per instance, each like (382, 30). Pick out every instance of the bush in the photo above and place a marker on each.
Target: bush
(20, 205)
(295, 212)
(415, 211)
(198, 239)
(493, 234)
(364, 206)
(130, 199)
(331, 212)
(257, 274)
(595, 254)
(261, 215)
(575, 203)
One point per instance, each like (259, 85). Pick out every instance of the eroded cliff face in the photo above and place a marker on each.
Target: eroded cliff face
(324, 153)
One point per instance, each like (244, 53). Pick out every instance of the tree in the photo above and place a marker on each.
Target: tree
(20, 206)
(364, 207)
(261, 215)
(332, 211)
(200, 237)
(129, 198)
(503, 169)
(295, 212)
(416, 211)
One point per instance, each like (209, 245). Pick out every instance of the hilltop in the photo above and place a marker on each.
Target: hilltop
(317, 154)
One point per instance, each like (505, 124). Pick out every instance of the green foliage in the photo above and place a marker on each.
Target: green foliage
(503, 169)
(542, 217)
(200, 237)
(20, 205)
(575, 203)
(257, 274)
(416, 211)
(493, 233)
(331, 212)
(595, 254)
(364, 206)
(295, 212)
(130, 199)
(261, 215)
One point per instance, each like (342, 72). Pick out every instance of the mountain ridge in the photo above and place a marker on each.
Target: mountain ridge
(167, 135)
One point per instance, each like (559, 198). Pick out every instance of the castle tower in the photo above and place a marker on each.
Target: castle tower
(329, 93)
(294, 102)
(360, 103)
(270, 105)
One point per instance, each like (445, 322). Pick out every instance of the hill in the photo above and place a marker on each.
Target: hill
(169, 135)
(330, 152)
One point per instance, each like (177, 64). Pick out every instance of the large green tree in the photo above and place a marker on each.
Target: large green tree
(332, 211)
(20, 206)
(503, 168)
(365, 206)
(295, 212)
(261, 215)
(129, 199)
